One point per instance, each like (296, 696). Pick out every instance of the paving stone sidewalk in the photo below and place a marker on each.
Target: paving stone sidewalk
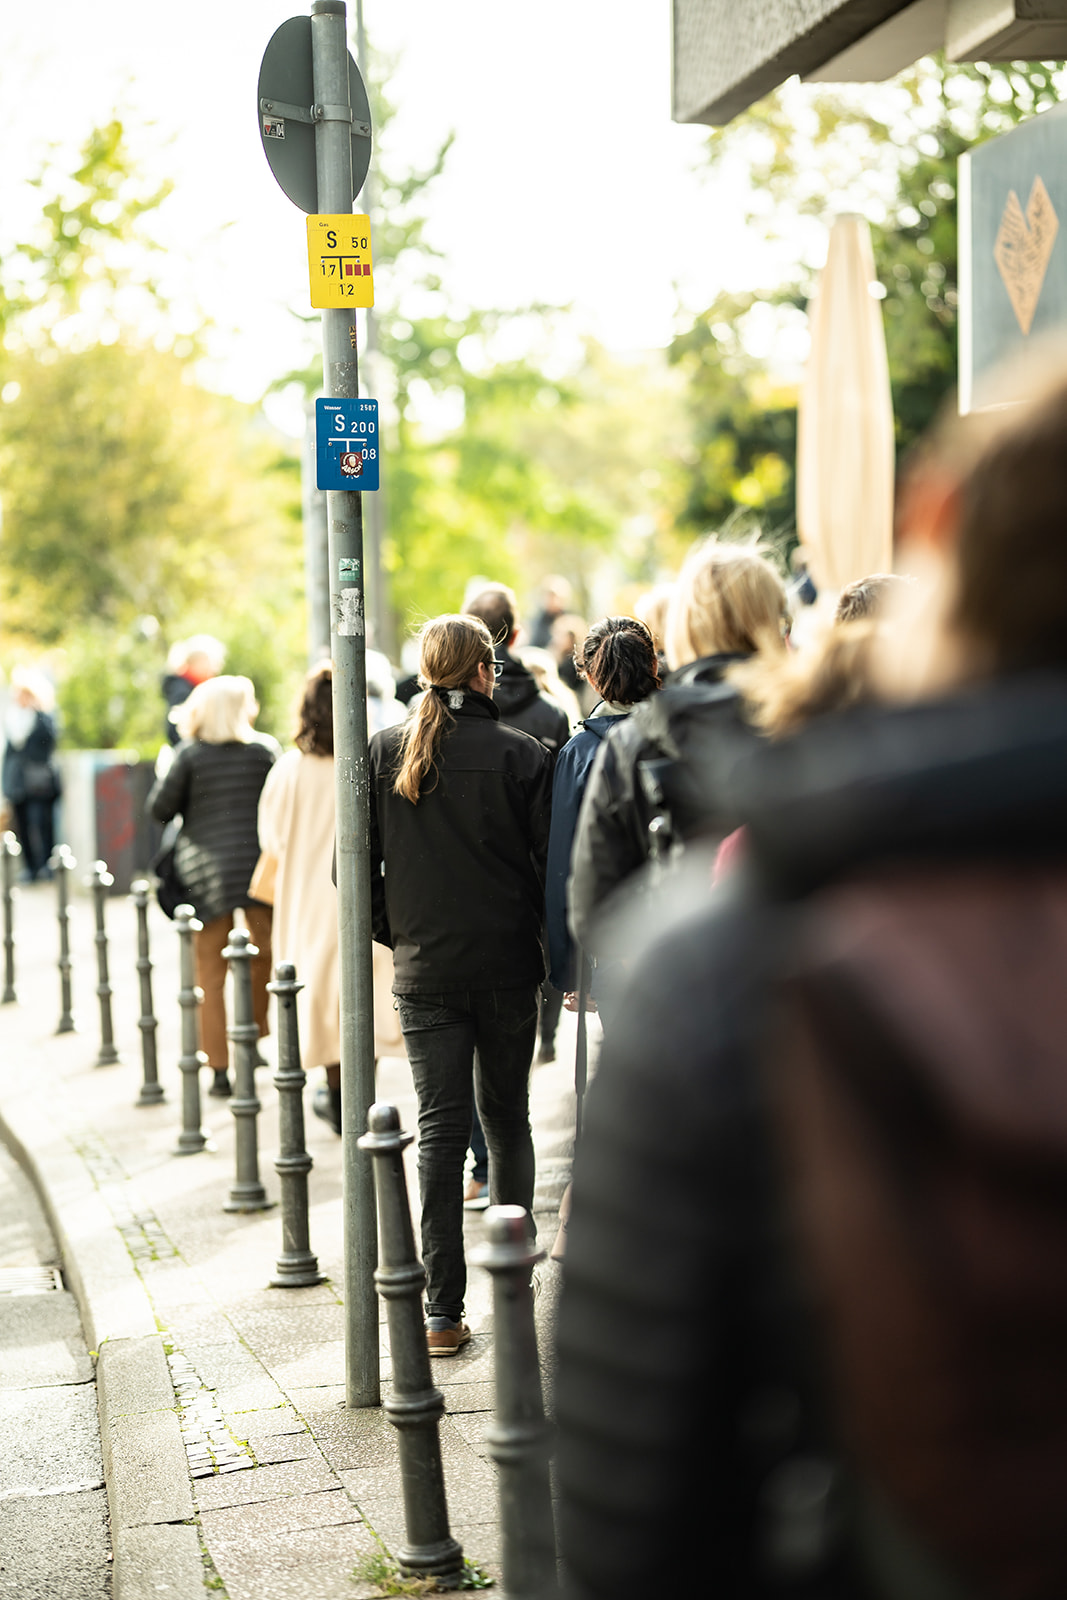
(232, 1462)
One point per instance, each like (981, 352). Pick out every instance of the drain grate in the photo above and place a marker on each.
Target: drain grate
(29, 1280)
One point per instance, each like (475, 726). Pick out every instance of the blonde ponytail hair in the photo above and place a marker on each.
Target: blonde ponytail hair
(451, 649)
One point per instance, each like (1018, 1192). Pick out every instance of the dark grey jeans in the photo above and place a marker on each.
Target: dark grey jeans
(462, 1044)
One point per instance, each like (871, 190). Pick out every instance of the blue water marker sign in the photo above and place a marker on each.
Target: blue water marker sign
(346, 444)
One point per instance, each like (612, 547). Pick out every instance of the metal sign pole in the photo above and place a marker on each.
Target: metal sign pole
(333, 163)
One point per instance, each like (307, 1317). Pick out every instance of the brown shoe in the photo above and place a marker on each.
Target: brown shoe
(446, 1341)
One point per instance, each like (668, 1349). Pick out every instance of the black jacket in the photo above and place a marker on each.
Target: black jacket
(684, 1383)
(214, 788)
(523, 705)
(458, 879)
(681, 736)
(37, 752)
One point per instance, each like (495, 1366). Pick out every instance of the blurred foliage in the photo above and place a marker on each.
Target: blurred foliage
(110, 694)
(745, 424)
(268, 644)
(129, 490)
(510, 465)
(109, 689)
(90, 247)
(138, 507)
(810, 155)
(542, 475)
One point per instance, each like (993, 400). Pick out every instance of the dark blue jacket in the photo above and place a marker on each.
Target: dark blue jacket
(573, 765)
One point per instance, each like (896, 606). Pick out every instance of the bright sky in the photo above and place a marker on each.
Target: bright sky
(568, 181)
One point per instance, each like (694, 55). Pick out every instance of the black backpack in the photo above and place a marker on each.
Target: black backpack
(698, 732)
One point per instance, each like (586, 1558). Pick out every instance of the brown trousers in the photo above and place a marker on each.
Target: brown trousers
(211, 969)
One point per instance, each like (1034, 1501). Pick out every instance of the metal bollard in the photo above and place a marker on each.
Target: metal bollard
(246, 1192)
(151, 1088)
(296, 1267)
(11, 852)
(192, 1138)
(63, 864)
(519, 1438)
(415, 1406)
(100, 881)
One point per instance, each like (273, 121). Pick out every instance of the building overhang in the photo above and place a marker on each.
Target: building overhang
(729, 53)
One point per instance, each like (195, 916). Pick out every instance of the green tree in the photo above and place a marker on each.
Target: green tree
(543, 473)
(744, 423)
(91, 235)
(127, 490)
(810, 154)
(534, 471)
(109, 677)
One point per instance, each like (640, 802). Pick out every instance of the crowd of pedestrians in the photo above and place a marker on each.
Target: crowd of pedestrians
(459, 834)
(815, 1302)
(213, 785)
(30, 777)
(815, 1275)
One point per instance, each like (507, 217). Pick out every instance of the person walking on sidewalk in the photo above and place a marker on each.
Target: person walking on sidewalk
(618, 660)
(189, 662)
(459, 834)
(523, 703)
(824, 1163)
(664, 763)
(214, 784)
(519, 698)
(297, 823)
(30, 775)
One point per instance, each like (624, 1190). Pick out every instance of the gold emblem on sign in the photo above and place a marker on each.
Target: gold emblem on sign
(1023, 247)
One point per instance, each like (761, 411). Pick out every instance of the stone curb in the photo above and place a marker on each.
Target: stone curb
(155, 1538)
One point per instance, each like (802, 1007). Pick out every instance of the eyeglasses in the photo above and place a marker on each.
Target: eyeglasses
(498, 669)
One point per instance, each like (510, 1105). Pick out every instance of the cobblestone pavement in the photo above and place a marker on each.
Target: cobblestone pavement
(230, 1456)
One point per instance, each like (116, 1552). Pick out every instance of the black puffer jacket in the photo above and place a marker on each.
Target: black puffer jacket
(214, 788)
(684, 1389)
(461, 900)
(523, 705)
(683, 734)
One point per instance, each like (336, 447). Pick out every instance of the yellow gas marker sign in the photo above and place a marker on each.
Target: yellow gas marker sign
(339, 261)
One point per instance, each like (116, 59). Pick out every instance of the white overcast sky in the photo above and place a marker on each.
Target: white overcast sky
(568, 181)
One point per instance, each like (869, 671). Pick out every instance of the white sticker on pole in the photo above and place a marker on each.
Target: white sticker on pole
(348, 613)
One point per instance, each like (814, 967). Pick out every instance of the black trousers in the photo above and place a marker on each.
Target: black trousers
(464, 1044)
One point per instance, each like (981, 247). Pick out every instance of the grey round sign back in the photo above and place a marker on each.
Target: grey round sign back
(286, 87)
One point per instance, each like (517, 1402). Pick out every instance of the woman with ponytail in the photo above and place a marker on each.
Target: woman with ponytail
(460, 809)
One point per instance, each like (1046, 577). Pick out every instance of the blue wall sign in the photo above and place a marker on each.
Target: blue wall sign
(346, 444)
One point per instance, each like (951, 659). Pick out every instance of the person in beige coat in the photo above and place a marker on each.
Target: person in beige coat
(296, 827)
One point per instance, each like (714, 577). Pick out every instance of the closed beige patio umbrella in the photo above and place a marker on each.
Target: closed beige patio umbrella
(845, 456)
